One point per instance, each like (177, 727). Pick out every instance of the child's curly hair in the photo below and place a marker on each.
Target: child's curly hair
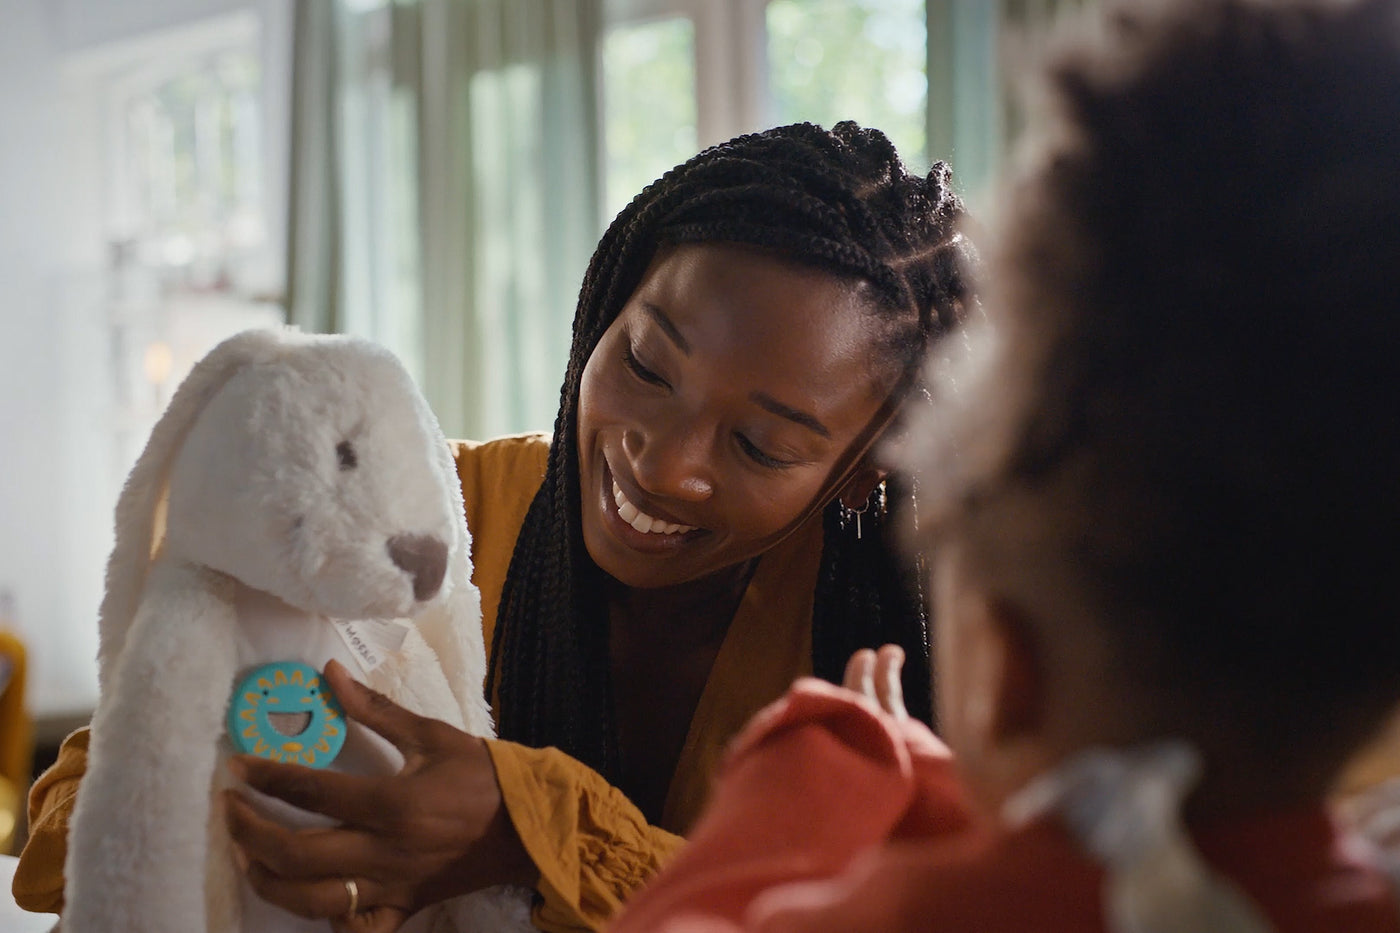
(1195, 306)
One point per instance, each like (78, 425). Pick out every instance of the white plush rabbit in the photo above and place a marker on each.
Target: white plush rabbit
(296, 502)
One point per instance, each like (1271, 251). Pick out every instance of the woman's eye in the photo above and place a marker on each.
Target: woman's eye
(630, 360)
(752, 451)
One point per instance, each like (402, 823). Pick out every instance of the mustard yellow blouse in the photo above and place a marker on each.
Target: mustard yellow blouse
(592, 846)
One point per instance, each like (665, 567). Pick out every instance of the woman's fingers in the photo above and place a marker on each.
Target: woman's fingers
(373, 920)
(408, 731)
(889, 690)
(329, 898)
(301, 854)
(343, 797)
(860, 673)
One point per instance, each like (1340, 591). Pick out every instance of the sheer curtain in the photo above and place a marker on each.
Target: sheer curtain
(445, 187)
(974, 50)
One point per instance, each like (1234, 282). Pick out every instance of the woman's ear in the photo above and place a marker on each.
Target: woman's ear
(861, 484)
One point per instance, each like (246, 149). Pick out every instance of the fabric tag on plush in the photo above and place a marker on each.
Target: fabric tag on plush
(372, 641)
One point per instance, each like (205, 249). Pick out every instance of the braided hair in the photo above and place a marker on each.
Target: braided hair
(838, 201)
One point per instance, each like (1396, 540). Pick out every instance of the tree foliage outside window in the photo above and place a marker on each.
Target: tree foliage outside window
(649, 105)
(863, 60)
(193, 195)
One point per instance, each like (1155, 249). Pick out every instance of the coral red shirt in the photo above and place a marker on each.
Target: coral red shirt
(830, 816)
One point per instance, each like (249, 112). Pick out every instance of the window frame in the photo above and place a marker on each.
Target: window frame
(112, 75)
(731, 59)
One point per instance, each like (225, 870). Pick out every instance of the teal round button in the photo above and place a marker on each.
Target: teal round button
(286, 712)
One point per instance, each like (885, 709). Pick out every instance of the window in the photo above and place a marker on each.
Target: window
(679, 75)
(832, 60)
(189, 192)
(649, 109)
(189, 254)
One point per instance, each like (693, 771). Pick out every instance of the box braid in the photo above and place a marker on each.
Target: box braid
(838, 201)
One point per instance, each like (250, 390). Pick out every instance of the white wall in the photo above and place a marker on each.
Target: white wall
(48, 576)
(58, 481)
(84, 24)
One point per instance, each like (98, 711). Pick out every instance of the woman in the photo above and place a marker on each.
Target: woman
(705, 525)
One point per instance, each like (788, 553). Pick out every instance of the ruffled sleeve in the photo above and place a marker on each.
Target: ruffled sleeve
(38, 883)
(592, 846)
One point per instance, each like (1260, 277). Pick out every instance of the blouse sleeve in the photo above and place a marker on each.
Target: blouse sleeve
(38, 884)
(592, 846)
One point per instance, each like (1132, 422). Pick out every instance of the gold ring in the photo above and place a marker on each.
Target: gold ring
(352, 889)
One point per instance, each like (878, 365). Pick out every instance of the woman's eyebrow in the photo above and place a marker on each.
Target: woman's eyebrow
(668, 327)
(769, 403)
(761, 399)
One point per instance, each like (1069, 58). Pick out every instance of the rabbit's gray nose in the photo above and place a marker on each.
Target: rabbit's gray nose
(423, 556)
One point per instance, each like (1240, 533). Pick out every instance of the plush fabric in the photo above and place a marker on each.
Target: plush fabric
(830, 816)
(294, 483)
(768, 645)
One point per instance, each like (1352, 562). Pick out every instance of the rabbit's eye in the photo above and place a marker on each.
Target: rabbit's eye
(345, 453)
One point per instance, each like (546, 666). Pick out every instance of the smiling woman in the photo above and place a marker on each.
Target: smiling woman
(668, 562)
(698, 411)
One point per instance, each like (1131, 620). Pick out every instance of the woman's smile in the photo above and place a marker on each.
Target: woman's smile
(641, 521)
(646, 528)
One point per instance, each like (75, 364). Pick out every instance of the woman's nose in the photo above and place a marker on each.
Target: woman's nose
(674, 464)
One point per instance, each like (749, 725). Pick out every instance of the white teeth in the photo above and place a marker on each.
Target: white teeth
(641, 521)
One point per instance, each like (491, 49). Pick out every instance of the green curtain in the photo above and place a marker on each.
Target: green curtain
(313, 240)
(445, 195)
(974, 50)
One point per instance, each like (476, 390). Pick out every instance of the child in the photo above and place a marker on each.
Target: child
(1160, 494)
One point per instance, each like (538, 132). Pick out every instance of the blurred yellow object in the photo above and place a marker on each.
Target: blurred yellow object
(1376, 765)
(16, 738)
(9, 812)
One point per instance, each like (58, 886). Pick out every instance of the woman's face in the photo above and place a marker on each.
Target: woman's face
(717, 408)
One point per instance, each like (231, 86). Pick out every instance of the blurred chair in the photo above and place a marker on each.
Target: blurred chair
(16, 739)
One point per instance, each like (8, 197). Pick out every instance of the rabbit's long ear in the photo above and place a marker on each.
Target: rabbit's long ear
(143, 495)
(137, 835)
(452, 627)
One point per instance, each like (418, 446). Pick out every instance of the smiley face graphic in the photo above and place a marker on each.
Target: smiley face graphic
(284, 712)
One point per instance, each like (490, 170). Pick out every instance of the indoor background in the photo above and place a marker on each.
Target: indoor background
(433, 174)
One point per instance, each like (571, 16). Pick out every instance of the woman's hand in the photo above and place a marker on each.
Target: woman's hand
(434, 830)
(876, 675)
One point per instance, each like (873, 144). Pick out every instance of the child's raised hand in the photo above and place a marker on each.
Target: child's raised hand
(435, 830)
(876, 675)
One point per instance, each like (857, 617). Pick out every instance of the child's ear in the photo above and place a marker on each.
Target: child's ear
(1003, 713)
(1017, 690)
(861, 484)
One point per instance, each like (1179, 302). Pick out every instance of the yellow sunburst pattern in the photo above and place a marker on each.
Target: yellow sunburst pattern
(284, 712)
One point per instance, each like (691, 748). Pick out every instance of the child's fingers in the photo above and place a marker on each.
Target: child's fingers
(876, 675)
(407, 731)
(860, 673)
(889, 690)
